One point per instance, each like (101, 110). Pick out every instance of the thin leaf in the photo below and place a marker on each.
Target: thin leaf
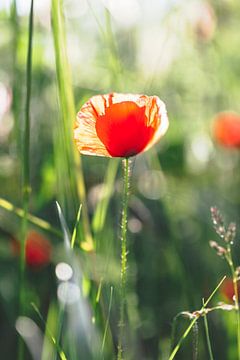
(207, 336)
(187, 331)
(49, 334)
(66, 233)
(26, 189)
(73, 165)
(108, 187)
(43, 224)
(74, 234)
(108, 318)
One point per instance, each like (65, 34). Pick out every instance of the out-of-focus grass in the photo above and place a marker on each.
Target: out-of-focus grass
(42, 224)
(194, 320)
(26, 185)
(72, 166)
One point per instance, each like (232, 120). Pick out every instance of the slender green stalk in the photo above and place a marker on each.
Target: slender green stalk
(74, 184)
(114, 58)
(195, 341)
(43, 224)
(107, 322)
(49, 334)
(59, 329)
(26, 141)
(187, 331)
(26, 171)
(174, 329)
(126, 171)
(229, 259)
(16, 81)
(207, 336)
(100, 27)
(74, 234)
(100, 213)
(190, 316)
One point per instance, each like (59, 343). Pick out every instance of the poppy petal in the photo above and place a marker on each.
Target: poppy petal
(85, 134)
(120, 125)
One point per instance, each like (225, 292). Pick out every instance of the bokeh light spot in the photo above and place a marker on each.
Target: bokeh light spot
(63, 271)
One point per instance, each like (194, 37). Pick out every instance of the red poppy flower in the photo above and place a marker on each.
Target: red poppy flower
(120, 125)
(38, 249)
(227, 290)
(226, 129)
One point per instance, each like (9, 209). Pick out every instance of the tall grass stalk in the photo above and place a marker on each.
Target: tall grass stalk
(114, 59)
(16, 82)
(68, 113)
(67, 245)
(107, 321)
(195, 341)
(74, 234)
(114, 63)
(194, 331)
(26, 143)
(42, 224)
(126, 178)
(49, 334)
(100, 213)
(189, 328)
(26, 188)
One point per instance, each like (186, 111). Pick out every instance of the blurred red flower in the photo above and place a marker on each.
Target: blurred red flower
(120, 125)
(38, 249)
(226, 129)
(227, 290)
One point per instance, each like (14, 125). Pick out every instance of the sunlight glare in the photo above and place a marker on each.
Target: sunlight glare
(63, 271)
(68, 293)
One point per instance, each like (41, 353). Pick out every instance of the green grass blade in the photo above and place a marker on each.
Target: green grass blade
(49, 334)
(99, 291)
(74, 234)
(26, 143)
(42, 224)
(68, 113)
(187, 331)
(114, 59)
(207, 336)
(195, 341)
(100, 27)
(107, 321)
(108, 187)
(25, 174)
(17, 79)
(66, 233)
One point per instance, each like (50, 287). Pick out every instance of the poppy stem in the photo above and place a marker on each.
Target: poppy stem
(126, 177)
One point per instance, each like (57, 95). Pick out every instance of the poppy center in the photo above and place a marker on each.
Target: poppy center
(123, 129)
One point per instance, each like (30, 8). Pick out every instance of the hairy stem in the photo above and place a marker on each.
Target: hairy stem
(123, 257)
